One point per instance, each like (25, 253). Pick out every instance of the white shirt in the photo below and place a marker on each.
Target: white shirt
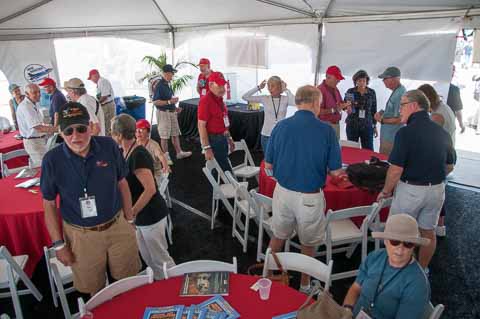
(4, 123)
(275, 109)
(90, 104)
(104, 88)
(29, 116)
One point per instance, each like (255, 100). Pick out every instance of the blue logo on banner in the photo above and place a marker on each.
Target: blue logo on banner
(35, 73)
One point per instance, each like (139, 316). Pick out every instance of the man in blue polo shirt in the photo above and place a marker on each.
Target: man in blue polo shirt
(57, 98)
(88, 175)
(301, 151)
(422, 157)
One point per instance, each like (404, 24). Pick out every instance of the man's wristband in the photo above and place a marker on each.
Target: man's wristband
(386, 193)
(205, 148)
(58, 245)
(348, 307)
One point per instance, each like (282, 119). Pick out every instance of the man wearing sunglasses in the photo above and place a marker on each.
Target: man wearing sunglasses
(88, 174)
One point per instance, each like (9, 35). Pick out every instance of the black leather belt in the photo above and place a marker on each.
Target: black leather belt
(33, 137)
(419, 183)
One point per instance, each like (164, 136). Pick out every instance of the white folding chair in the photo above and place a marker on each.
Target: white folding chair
(247, 168)
(378, 225)
(11, 271)
(59, 289)
(52, 141)
(162, 183)
(8, 156)
(65, 275)
(434, 312)
(114, 290)
(222, 189)
(199, 266)
(342, 231)
(301, 263)
(348, 143)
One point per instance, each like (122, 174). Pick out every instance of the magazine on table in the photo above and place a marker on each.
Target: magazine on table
(170, 312)
(205, 284)
(219, 304)
(29, 183)
(290, 315)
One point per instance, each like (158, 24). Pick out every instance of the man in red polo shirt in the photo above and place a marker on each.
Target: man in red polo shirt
(213, 122)
(332, 102)
(205, 71)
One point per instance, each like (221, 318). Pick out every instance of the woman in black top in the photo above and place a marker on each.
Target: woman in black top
(149, 207)
(360, 122)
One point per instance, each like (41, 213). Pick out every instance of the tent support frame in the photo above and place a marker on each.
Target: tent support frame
(288, 7)
(23, 11)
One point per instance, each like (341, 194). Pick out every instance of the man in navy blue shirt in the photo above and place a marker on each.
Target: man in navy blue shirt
(421, 158)
(88, 174)
(301, 151)
(56, 101)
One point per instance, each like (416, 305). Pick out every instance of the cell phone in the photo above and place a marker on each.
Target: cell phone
(269, 172)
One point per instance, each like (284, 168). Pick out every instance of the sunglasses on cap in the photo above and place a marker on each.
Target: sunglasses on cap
(398, 242)
(81, 129)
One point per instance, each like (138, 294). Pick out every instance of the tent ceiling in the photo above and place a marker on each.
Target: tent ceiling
(59, 16)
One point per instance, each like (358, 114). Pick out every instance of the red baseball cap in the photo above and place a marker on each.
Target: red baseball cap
(335, 71)
(47, 82)
(217, 77)
(92, 72)
(141, 124)
(204, 61)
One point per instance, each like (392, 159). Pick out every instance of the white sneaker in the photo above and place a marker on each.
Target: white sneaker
(183, 155)
(441, 231)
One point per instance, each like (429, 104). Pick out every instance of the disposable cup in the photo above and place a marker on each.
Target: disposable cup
(264, 286)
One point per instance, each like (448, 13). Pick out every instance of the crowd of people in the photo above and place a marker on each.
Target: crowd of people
(109, 187)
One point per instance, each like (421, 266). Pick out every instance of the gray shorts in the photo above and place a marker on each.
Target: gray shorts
(300, 212)
(167, 124)
(421, 202)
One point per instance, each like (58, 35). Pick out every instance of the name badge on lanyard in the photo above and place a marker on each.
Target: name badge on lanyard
(363, 315)
(88, 206)
(226, 121)
(204, 92)
(361, 114)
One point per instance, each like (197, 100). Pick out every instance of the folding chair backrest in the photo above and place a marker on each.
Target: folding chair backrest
(349, 213)
(301, 263)
(240, 190)
(52, 141)
(433, 312)
(242, 146)
(199, 266)
(116, 289)
(350, 144)
(8, 156)
(262, 202)
(57, 279)
(213, 166)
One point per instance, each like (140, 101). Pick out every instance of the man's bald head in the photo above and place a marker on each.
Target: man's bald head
(308, 98)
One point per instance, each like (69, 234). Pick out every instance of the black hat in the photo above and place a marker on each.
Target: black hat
(169, 68)
(72, 113)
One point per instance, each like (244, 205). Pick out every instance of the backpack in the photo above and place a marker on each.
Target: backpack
(370, 176)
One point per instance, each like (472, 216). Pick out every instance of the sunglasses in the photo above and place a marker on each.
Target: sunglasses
(81, 129)
(398, 242)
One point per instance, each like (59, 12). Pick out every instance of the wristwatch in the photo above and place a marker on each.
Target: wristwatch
(205, 148)
(58, 244)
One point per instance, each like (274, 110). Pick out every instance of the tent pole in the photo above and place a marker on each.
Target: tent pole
(287, 7)
(173, 45)
(319, 53)
(23, 11)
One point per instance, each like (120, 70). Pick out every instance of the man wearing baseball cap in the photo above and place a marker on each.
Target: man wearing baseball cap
(57, 99)
(213, 122)
(88, 174)
(332, 102)
(165, 103)
(205, 71)
(105, 97)
(390, 118)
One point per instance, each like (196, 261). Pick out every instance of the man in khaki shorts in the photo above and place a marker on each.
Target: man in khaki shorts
(88, 174)
(167, 121)
(300, 151)
(105, 96)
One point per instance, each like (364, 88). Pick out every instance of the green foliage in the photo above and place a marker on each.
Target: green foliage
(156, 64)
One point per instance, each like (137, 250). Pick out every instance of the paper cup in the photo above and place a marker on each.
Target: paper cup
(264, 286)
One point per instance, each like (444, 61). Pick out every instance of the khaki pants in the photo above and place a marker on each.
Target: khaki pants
(36, 149)
(336, 127)
(93, 250)
(109, 114)
(386, 147)
(167, 124)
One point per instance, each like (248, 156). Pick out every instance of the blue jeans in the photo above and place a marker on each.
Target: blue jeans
(264, 142)
(219, 144)
(365, 134)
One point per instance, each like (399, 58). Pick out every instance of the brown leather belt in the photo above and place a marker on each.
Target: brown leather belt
(101, 227)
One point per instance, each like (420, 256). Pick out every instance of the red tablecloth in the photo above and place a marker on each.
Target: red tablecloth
(132, 304)
(22, 223)
(336, 198)
(9, 143)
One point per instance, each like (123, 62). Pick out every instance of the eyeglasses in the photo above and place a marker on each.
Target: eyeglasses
(398, 242)
(81, 129)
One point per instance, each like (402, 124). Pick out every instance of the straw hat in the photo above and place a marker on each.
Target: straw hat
(402, 227)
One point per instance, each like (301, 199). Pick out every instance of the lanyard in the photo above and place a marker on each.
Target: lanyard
(86, 173)
(381, 286)
(275, 109)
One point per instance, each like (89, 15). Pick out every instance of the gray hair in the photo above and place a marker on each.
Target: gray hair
(419, 97)
(31, 86)
(79, 91)
(307, 94)
(275, 80)
(125, 126)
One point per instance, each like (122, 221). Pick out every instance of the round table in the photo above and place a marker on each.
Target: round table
(22, 223)
(337, 198)
(132, 304)
(9, 143)
(244, 124)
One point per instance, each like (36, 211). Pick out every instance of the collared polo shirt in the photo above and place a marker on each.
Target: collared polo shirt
(163, 92)
(392, 109)
(203, 84)
(423, 148)
(104, 88)
(301, 149)
(454, 99)
(29, 116)
(64, 173)
(330, 99)
(96, 113)
(56, 101)
(212, 110)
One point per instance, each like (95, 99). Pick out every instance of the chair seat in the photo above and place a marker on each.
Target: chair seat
(229, 191)
(246, 171)
(65, 271)
(21, 260)
(243, 205)
(344, 229)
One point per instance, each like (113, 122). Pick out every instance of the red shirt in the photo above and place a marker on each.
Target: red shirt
(203, 84)
(330, 99)
(212, 110)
